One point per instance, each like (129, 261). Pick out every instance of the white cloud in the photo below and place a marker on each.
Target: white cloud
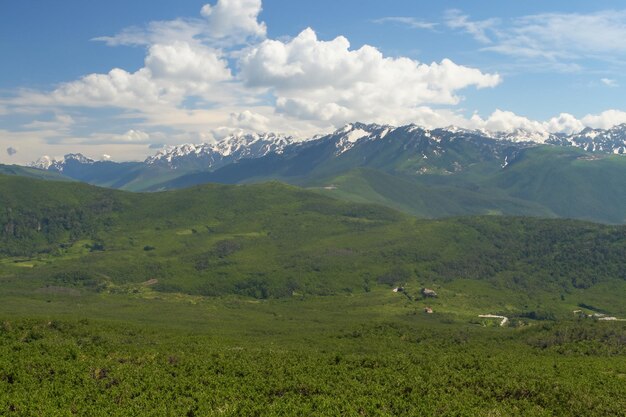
(563, 39)
(609, 82)
(186, 62)
(228, 21)
(249, 120)
(132, 136)
(605, 120)
(185, 30)
(60, 122)
(215, 74)
(235, 18)
(411, 22)
(505, 121)
(564, 123)
(326, 80)
(172, 72)
(478, 29)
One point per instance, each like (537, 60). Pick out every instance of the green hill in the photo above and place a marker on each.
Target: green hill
(273, 240)
(426, 200)
(569, 182)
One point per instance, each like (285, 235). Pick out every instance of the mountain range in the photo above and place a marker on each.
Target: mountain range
(426, 172)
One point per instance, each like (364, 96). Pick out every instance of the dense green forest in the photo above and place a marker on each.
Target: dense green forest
(272, 240)
(271, 300)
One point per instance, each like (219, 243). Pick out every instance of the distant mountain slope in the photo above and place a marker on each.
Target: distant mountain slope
(133, 176)
(571, 183)
(409, 150)
(350, 140)
(427, 172)
(426, 200)
(32, 173)
(442, 172)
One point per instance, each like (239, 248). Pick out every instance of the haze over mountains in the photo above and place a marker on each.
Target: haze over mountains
(241, 146)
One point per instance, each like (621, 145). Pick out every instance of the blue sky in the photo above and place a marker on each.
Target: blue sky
(113, 78)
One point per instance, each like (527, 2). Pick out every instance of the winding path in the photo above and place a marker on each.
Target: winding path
(492, 316)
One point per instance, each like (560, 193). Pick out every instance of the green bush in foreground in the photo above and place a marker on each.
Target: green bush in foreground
(97, 368)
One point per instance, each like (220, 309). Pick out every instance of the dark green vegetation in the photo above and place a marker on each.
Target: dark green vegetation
(271, 300)
(369, 354)
(272, 241)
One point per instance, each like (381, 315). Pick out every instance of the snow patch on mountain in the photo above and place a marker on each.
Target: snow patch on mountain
(210, 156)
(53, 164)
(351, 134)
(228, 150)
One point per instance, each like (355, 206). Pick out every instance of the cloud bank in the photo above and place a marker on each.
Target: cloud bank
(218, 72)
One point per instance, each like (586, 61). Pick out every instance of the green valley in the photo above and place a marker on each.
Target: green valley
(272, 300)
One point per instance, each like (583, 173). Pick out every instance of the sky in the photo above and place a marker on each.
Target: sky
(121, 79)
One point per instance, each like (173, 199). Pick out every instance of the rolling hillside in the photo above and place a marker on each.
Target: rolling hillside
(272, 240)
(31, 173)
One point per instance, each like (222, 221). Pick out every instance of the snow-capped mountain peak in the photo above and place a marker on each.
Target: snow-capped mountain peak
(53, 164)
(211, 156)
(45, 162)
(611, 140)
(228, 150)
(349, 135)
(522, 135)
(78, 157)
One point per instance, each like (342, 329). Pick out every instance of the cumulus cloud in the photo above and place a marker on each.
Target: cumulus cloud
(326, 80)
(234, 18)
(506, 121)
(11, 151)
(302, 84)
(218, 73)
(229, 21)
(186, 62)
(605, 119)
(249, 120)
(564, 123)
(171, 73)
